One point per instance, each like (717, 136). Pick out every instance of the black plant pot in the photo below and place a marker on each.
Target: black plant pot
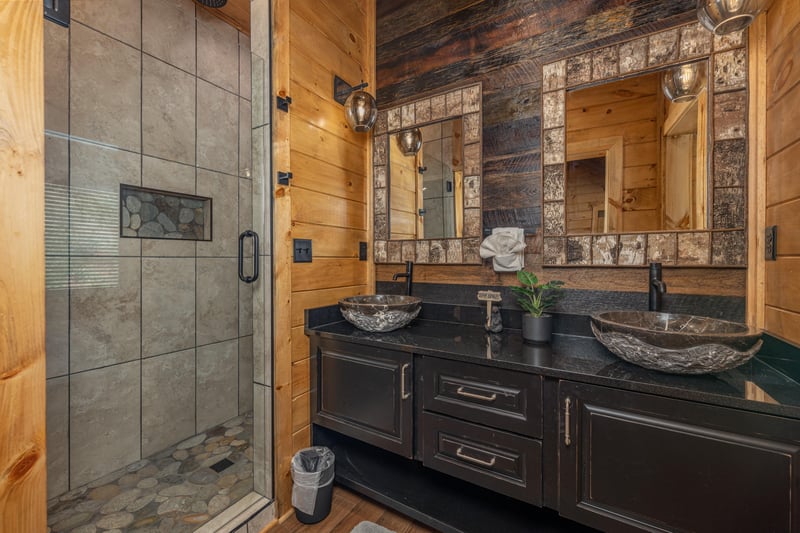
(537, 329)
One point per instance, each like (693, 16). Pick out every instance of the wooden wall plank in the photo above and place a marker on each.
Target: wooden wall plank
(321, 176)
(301, 381)
(325, 146)
(783, 285)
(782, 323)
(330, 241)
(303, 300)
(313, 207)
(782, 182)
(301, 411)
(300, 344)
(346, 38)
(325, 273)
(787, 217)
(301, 439)
(22, 315)
(310, 41)
(782, 130)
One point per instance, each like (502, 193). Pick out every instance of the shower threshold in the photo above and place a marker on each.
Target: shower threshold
(176, 490)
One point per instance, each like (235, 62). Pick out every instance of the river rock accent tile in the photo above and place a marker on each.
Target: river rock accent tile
(633, 55)
(731, 40)
(579, 70)
(167, 284)
(381, 123)
(407, 116)
(730, 70)
(554, 218)
(379, 175)
(553, 146)
(471, 99)
(409, 251)
(168, 391)
(729, 248)
(694, 248)
(605, 63)
(217, 399)
(217, 128)
(604, 250)
(579, 250)
(379, 150)
(393, 119)
(730, 163)
(438, 107)
(730, 116)
(553, 109)
(453, 247)
(380, 252)
(423, 254)
(472, 222)
(553, 183)
(632, 250)
(695, 41)
(472, 128)
(554, 76)
(729, 208)
(472, 159)
(470, 249)
(555, 250)
(662, 248)
(472, 191)
(394, 251)
(663, 47)
(381, 229)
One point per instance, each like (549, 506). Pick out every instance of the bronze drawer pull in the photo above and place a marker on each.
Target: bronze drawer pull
(403, 394)
(567, 406)
(461, 392)
(461, 455)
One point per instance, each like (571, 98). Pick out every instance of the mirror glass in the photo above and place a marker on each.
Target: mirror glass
(426, 188)
(635, 160)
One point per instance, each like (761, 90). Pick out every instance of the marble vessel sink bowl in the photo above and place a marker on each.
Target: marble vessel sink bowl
(678, 344)
(380, 312)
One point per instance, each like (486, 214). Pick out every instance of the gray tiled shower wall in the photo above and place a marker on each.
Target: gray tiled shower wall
(149, 341)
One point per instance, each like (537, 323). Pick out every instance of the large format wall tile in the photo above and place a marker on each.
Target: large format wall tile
(57, 331)
(56, 77)
(217, 129)
(245, 80)
(168, 32)
(96, 173)
(57, 436)
(167, 400)
(105, 97)
(120, 19)
(172, 177)
(245, 145)
(262, 440)
(217, 52)
(217, 383)
(104, 311)
(168, 322)
(245, 374)
(217, 309)
(262, 318)
(224, 193)
(104, 421)
(168, 111)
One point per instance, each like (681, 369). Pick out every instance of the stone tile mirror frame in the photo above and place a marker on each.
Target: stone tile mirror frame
(464, 102)
(724, 243)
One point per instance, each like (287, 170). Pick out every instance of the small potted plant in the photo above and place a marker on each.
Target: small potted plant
(535, 298)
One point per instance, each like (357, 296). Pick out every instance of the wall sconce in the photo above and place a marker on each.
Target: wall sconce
(360, 109)
(683, 83)
(728, 16)
(410, 141)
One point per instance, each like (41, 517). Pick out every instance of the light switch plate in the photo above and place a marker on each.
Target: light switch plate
(302, 250)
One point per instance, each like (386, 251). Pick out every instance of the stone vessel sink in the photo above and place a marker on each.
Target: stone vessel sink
(380, 312)
(678, 344)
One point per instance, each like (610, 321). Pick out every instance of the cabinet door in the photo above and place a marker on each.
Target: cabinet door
(630, 461)
(364, 392)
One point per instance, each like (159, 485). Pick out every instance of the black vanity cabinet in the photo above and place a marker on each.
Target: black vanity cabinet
(364, 392)
(483, 425)
(631, 461)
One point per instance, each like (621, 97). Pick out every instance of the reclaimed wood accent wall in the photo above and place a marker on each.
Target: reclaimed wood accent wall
(424, 48)
(327, 199)
(22, 359)
(782, 277)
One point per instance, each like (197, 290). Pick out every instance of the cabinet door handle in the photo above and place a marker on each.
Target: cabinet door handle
(567, 406)
(403, 394)
(461, 392)
(461, 455)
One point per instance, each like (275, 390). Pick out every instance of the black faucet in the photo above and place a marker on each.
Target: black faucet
(407, 274)
(657, 287)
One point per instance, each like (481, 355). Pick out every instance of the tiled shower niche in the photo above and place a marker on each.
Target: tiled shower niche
(153, 214)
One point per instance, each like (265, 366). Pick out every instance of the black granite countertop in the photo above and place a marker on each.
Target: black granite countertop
(573, 354)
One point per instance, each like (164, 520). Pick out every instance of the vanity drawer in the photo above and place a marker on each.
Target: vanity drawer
(499, 461)
(500, 398)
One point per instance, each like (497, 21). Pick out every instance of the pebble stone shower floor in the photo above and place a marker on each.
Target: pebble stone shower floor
(176, 490)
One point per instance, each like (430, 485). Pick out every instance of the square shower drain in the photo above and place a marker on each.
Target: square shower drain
(219, 466)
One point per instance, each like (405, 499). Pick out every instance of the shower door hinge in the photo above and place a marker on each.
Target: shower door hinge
(284, 177)
(283, 102)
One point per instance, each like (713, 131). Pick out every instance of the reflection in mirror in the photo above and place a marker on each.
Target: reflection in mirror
(426, 188)
(635, 160)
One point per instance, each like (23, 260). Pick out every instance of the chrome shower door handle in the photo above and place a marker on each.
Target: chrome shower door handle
(242, 237)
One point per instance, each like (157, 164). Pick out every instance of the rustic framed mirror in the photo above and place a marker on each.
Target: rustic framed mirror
(631, 176)
(427, 204)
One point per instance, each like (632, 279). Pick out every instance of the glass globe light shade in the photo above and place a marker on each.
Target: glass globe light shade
(683, 83)
(360, 111)
(727, 16)
(410, 141)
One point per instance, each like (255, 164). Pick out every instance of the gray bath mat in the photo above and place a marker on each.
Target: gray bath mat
(369, 527)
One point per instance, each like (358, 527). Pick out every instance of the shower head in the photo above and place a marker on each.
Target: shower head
(213, 3)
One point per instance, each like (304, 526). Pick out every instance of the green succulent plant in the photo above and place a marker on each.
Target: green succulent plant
(534, 297)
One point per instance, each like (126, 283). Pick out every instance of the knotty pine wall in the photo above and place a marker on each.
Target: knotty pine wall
(782, 277)
(327, 200)
(424, 47)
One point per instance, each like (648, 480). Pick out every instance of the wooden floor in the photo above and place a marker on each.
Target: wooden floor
(347, 510)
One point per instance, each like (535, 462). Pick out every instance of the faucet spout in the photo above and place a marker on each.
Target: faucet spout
(408, 274)
(657, 287)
